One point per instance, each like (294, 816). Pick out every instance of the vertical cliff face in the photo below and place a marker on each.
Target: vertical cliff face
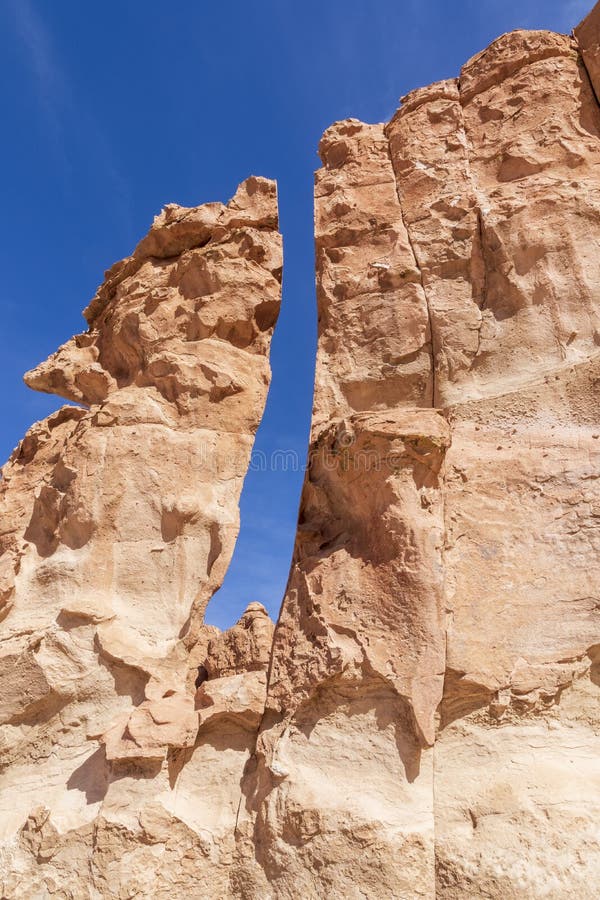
(432, 723)
(424, 719)
(119, 518)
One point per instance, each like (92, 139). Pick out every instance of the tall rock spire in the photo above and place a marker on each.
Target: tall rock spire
(119, 518)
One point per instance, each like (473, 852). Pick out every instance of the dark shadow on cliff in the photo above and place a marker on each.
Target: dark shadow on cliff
(91, 777)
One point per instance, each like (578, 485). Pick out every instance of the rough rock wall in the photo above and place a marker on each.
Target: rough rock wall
(424, 722)
(119, 518)
(432, 724)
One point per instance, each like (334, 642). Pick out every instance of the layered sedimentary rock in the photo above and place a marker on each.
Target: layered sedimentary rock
(432, 724)
(120, 768)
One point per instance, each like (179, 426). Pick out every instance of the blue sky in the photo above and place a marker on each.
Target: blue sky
(112, 109)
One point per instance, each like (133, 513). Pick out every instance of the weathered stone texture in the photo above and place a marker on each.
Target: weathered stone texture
(119, 519)
(423, 721)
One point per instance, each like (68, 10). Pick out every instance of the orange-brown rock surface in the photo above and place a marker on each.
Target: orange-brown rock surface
(432, 724)
(424, 719)
(119, 518)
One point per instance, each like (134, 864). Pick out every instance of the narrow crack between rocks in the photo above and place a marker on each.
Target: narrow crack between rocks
(432, 351)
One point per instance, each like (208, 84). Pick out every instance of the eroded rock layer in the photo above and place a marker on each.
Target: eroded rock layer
(432, 724)
(120, 762)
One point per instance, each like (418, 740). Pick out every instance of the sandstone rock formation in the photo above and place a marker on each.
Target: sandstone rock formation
(423, 721)
(432, 724)
(119, 518)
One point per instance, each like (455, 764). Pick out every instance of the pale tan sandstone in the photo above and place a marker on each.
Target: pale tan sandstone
(244, 648)
(587, 35)
(369, 286)
(522, 563)
(118, 523)
(432, 707)
(232, 683)
(357, 668)
(424, 722)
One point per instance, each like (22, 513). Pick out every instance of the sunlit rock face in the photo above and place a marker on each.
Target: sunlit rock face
(432, 724)
(424, 719)
(119, 518)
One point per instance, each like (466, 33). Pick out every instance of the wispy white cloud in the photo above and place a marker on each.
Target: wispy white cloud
(59, 105)
(45, 72)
